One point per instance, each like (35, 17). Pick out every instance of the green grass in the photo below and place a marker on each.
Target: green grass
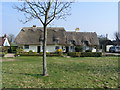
(87, 72)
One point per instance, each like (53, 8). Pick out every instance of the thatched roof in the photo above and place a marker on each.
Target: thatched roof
(81, 38)
(58, 35)
(34, 35)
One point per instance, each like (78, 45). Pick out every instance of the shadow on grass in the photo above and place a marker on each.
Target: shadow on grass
(28, 74)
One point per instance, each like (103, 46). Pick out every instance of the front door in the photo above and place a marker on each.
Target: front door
(67, 49)
(38, 49)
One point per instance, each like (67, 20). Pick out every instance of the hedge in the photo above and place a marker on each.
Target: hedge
(85, 54)
(74, 54)
(35, 54)
(91, 54)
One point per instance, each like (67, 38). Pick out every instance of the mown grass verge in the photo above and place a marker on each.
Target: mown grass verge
(77, 72)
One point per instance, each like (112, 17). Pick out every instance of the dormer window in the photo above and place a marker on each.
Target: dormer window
(23, 30)
(86, 43)
(40, 39)
(72, 42)
(56, 40)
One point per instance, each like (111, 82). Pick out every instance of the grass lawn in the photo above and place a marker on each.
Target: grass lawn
(81, 72)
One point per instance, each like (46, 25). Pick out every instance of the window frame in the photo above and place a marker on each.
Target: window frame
(26, 46)
(57, 47)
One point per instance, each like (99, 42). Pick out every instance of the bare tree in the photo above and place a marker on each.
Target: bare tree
(117, 36)
(11, 37)
(45, 12)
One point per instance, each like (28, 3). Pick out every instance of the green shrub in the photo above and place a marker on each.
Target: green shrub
(13, 49)
(36, 54)
(85, 54)
(4, 49)
(74, 54)
(47, 53)
(30, 51)
(59, 52)
(88, 51)
(78, 48)
(41, 53)
(19, 51)
(91, 54)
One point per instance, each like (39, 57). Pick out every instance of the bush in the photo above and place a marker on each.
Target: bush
(78, 48)
(4, 49)
(13, 49)
(74, 54)
(91, 54)
(88, 51)
(36, 54)
(30, 51)
(59, 52)
(85, 54)
(19, 51)
(41, 53)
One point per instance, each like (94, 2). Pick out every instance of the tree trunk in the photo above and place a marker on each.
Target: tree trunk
(44, 52)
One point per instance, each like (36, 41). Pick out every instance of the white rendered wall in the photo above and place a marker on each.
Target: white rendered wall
(94, 50)
(6, 43)
(31, 47)
(49, 48)
(108, 47)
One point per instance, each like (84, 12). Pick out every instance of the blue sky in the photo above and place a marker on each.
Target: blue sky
(99, 17)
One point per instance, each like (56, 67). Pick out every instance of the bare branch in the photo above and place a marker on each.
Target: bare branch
(34, 11)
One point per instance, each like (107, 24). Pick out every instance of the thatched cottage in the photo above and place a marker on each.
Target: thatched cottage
(30, 38)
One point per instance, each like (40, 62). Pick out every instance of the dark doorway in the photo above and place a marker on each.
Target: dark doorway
(38, 49)
(67, 49)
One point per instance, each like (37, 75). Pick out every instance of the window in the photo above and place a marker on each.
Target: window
(56, 40)
(71, 47)
(26, 46)
(86, 43)
(57, 47)
(72, 42)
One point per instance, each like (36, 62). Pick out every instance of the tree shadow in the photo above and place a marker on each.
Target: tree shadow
(27, 74)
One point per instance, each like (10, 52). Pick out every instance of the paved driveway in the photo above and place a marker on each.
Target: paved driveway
(117, 54)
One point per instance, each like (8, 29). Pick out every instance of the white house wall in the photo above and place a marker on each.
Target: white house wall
(50, 48)
(31, 47)
(6, 43)
(94, 50)
(108, 47)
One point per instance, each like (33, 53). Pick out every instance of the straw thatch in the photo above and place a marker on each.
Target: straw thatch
(82, 38)
(58, 35)
(34, 35)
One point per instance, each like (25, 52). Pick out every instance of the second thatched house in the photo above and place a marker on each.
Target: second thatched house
(30, 38)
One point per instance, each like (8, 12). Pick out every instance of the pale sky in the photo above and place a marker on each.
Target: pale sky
(99, 17)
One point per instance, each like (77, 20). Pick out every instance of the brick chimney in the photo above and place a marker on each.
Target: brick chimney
(34, 25)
